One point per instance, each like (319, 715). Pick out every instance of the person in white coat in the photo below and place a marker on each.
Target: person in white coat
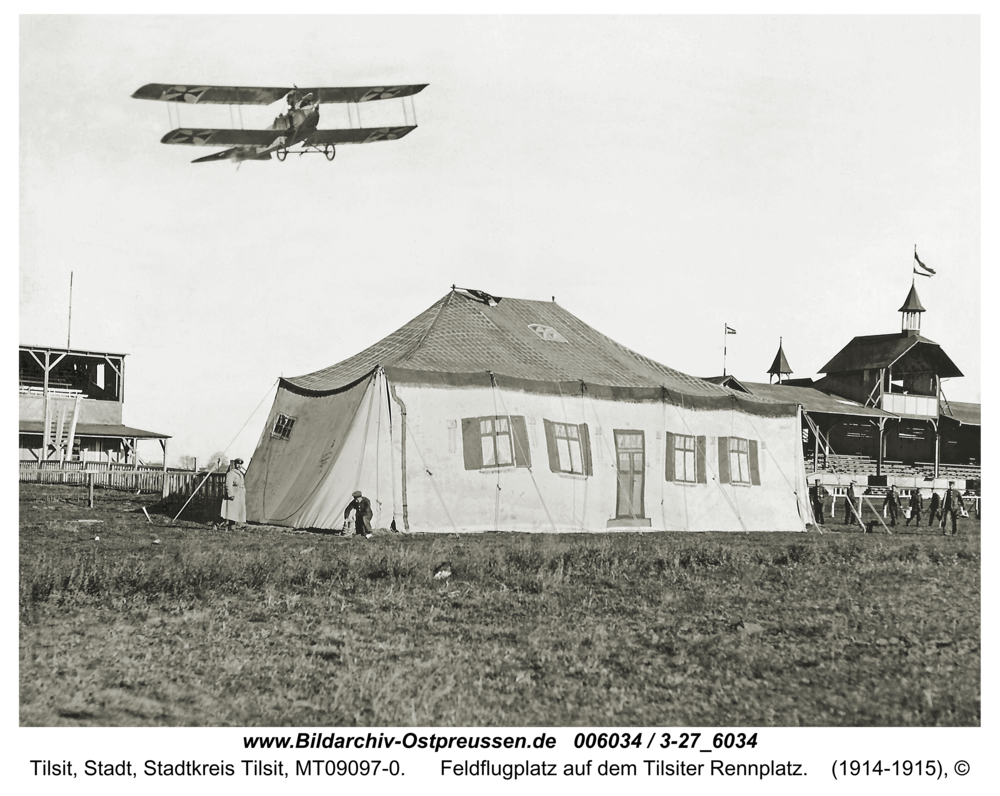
(234, 504)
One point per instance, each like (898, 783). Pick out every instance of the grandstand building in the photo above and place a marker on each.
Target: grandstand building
(70, 408)
(879, 414)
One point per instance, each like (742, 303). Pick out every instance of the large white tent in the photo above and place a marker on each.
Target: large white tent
(502, 414)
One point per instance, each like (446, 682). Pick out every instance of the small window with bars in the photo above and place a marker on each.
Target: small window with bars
(282, 427)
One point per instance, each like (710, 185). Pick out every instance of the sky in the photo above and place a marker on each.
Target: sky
(661, 177)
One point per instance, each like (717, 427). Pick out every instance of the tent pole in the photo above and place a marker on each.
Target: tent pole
(402, 453)
(203, 480)
(877, 515)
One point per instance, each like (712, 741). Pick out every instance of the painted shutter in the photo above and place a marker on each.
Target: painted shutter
(670, 474)
(754, 468)
(588, 462)
(550, 445)
(723, 460)
(472, 446)
(700, 460)
(519, 430)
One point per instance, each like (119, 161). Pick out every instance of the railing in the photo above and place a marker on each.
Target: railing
(910, 405)
(865, 466)
(124, 477)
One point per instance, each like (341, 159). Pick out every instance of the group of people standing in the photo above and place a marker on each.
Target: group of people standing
(950, 505)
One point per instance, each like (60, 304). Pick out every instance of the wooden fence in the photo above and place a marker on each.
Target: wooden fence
(125, 477)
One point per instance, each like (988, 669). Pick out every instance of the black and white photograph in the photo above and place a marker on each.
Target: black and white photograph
(600, 398)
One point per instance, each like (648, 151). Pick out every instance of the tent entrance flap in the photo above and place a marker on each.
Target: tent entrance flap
(306, 445)
(363, 462)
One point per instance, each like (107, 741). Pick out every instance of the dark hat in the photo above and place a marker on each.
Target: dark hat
(237, 461)
(356, 493)
(951, 483)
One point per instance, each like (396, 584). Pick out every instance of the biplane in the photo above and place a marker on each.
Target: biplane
(297, 127)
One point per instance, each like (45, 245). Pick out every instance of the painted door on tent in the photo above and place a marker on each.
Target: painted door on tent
(630, 447)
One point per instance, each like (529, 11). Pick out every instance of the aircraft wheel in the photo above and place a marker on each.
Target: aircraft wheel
(282, 154)
(330, 152)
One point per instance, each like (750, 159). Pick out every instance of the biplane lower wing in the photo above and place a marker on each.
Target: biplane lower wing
(357, 135)
(206, 136)
(269, 138)
(236, 153)
(265, 95)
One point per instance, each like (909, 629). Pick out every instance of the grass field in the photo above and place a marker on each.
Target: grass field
(268, 627)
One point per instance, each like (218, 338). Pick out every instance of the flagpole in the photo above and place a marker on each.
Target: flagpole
(69, 323)
(725, 334)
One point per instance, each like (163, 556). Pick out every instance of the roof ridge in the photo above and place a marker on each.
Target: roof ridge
(420, 341)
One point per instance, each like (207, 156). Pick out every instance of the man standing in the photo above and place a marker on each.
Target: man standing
(362, 508)
(850, 505)
(234, 503)
(916, 507)
(892, 503)
(953, 504)
(934, 508)
(815, 497)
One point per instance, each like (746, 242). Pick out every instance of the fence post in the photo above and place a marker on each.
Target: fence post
(90, 490)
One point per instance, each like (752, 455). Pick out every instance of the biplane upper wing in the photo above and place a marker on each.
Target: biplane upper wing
(357, 135)
(249, 95)
(210, 95)
(205, 136)
(363, 93)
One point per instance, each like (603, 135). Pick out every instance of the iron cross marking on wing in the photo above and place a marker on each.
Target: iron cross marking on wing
(184, 94)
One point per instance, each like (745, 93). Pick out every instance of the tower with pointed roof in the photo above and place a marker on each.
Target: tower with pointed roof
(911, 310)
(780, 366)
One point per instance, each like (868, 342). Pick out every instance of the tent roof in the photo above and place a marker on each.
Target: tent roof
(812, 400)
(882, 350)
(94, 430)
(539, 341)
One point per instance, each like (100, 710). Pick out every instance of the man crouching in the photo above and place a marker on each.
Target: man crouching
(361, 507)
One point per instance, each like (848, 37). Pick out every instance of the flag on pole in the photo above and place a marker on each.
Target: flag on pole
(920, 269)
(730, 330)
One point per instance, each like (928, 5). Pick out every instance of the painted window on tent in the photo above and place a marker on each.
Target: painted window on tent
(568, 446)
(547, 333)
(685, 458)
(494, 442)
(495, 438)
(738, 461)
(282, 426)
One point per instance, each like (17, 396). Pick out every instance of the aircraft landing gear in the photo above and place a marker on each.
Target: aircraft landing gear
(281, 153)
(330, 152)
